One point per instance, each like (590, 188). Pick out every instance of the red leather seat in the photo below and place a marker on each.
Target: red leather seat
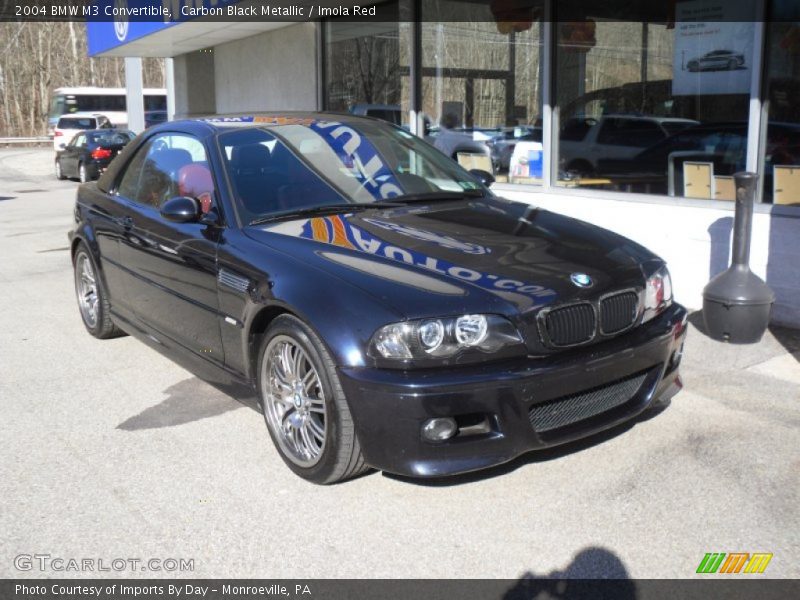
(195, 181)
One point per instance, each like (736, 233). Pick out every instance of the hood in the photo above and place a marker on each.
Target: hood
(451, 257)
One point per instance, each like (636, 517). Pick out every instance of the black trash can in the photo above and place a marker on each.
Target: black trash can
(737, 304)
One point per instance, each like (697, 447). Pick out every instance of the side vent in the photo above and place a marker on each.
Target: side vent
(233, 281)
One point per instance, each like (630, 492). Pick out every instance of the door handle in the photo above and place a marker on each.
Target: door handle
(125, 222)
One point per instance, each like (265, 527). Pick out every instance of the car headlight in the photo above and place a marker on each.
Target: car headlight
(467, 338)
(657, 294)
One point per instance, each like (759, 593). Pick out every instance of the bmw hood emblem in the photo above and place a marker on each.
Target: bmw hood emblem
(581, 280)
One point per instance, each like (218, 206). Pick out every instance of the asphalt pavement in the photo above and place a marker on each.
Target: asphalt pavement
(110, 451)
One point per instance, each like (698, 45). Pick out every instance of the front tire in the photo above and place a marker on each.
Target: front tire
(304, 405)
(59, 173)
(83, 174)
(92, 299)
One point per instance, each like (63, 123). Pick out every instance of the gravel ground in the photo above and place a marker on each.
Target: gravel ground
(112, 451)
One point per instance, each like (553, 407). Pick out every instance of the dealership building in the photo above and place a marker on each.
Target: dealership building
(631, 115)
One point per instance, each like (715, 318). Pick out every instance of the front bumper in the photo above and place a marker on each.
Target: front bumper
(97, 167)
(492, 402)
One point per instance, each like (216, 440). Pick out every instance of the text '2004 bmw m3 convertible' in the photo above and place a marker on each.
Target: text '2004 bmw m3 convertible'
(389, 309)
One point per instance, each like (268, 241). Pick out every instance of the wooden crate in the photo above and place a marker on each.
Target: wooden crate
(698, 180)
(786, 184)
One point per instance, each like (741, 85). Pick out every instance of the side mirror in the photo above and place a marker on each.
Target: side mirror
(181, 210)
(484, 177)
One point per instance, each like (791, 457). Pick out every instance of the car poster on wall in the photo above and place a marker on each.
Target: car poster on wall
(713, 48)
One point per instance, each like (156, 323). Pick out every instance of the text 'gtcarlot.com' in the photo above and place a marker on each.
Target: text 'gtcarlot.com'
(47, 562)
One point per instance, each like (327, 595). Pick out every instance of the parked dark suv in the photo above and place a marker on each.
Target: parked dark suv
(390, 310)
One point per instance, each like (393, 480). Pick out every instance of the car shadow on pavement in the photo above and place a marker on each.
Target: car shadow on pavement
(579, 581)
(191, 400)
(696, 319)
(536, 456)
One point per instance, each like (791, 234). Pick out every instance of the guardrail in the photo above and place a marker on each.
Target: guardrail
(21, 141)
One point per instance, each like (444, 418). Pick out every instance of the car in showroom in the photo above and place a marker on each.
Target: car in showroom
(717, 60)
(89, 153)
(389, 310)
(583, 141)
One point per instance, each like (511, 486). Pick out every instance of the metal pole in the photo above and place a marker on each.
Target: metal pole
(134, 93)
(415, 70)
(549, 108)
(743, 221)
(170, 83)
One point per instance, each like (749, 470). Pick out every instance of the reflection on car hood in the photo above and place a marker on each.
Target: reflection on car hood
(490, 254)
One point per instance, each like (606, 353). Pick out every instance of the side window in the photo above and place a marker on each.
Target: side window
(639, 133)
(79, 141)
(575, 129)
(169, 165)
(129, 184)
(608, 132)
(648, 133)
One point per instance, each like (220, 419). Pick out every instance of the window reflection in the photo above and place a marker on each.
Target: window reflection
(782, 149)
(366, 68)
(482, 81)
(657, 104)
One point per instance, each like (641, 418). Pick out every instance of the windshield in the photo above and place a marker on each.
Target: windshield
(110, 138)
(306, 163)
(77, 123)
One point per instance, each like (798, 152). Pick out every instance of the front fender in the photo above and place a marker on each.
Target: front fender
(258, 283)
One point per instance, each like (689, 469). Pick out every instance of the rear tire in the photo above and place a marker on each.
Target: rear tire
(304, 406)
(91, 296)
(83, 175)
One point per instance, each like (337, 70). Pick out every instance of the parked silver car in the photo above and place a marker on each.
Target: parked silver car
(583, 141)
(716, 60)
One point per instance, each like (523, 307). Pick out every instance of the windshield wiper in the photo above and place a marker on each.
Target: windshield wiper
(325, 209)
(437, 196)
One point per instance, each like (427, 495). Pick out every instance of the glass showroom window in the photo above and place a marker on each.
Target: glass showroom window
(657, 104)
(366, 68)
(782, 145)
(482, 85)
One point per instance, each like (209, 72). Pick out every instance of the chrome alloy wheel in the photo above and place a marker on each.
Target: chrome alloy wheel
(86, 289)
(294, 403)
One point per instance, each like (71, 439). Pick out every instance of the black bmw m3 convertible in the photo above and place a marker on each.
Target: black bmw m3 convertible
(389, 309)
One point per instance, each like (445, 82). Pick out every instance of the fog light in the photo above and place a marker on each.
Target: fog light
(437, 430)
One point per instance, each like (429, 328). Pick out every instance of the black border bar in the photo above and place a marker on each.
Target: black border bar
(526, 588)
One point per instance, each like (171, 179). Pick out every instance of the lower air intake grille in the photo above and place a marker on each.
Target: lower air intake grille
(618, 312)
(570, 325)
(583, 405)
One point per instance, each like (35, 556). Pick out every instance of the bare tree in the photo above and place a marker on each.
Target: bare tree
(36, 58)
